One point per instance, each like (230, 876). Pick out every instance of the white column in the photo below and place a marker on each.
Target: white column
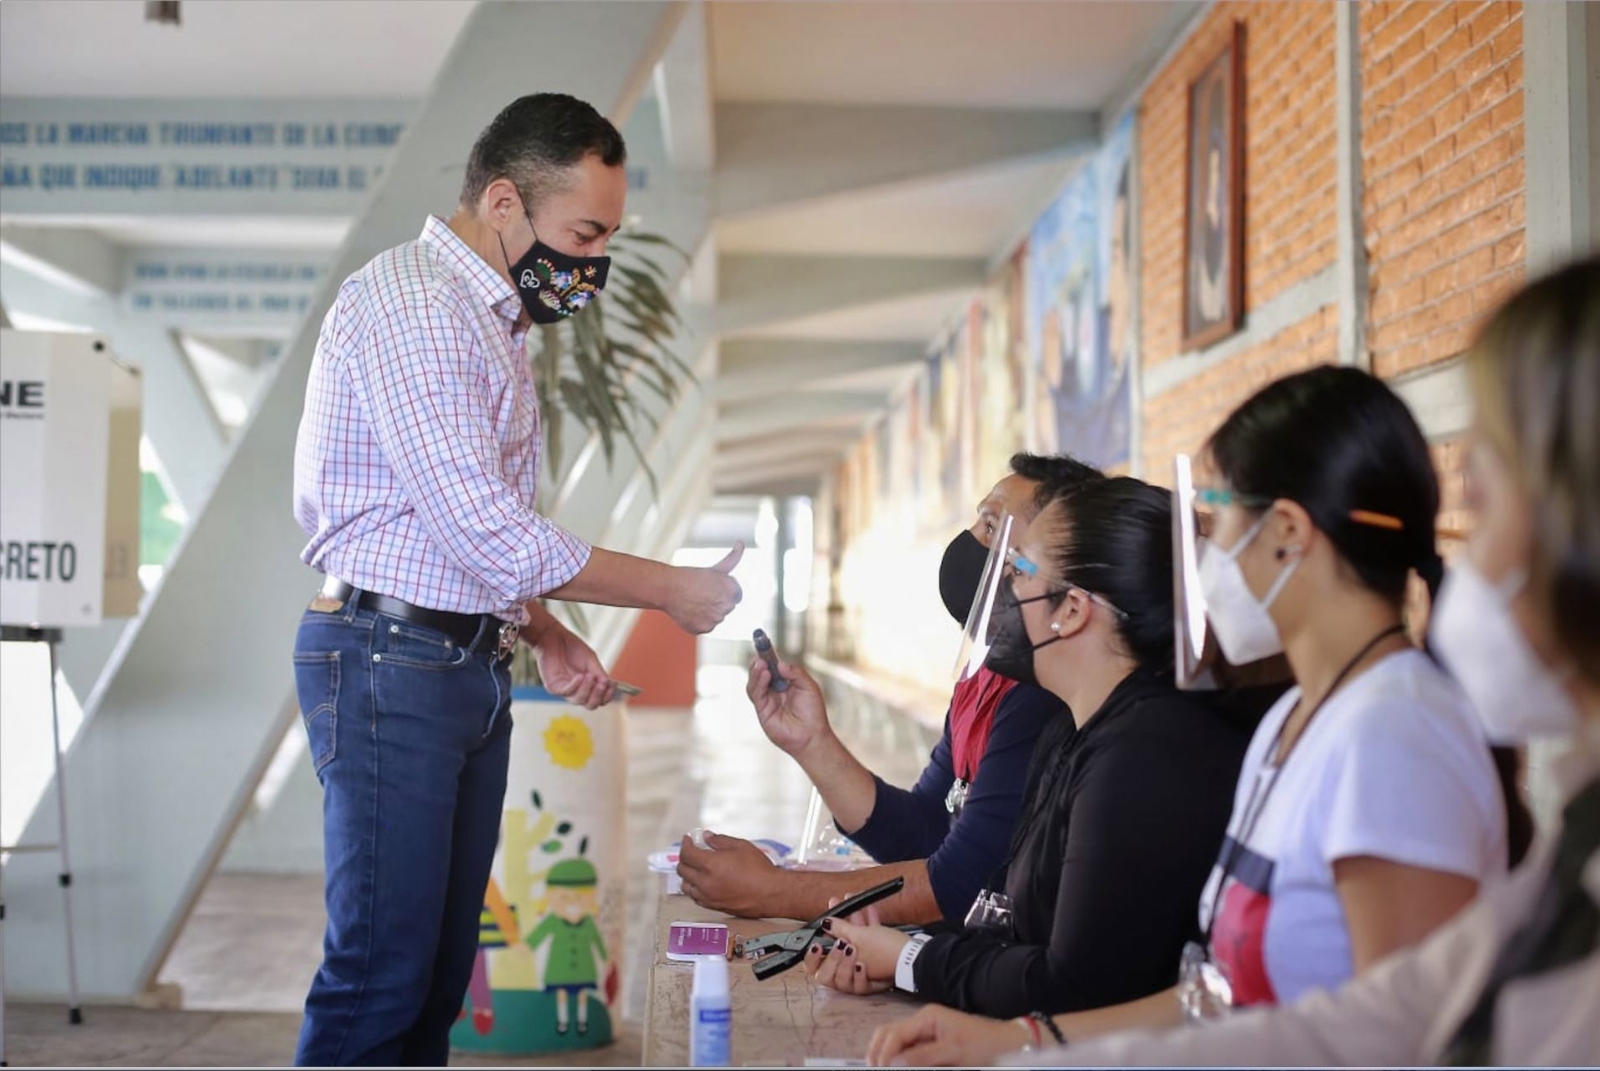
(1350, 224)
(1561, 61)
(1561, 64)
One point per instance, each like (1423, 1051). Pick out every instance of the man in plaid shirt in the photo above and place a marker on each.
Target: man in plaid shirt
(415, 476)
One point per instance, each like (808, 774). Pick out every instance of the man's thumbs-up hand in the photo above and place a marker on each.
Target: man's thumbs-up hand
(703, 597)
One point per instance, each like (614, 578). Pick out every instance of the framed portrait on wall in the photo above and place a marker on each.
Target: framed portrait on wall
(1213, 246)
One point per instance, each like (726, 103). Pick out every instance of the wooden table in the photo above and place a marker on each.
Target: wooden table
(777, 1023)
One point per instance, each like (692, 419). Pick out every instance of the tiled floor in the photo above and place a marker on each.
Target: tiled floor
(254, 941)
(136, 1037)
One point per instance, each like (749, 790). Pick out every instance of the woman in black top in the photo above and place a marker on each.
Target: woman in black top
(1126, 815)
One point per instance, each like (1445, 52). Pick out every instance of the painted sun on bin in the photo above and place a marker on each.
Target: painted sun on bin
(569, 742)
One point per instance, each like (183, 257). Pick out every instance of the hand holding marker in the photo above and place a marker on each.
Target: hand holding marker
(764, 649)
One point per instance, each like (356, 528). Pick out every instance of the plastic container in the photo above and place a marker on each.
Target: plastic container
(822, 846)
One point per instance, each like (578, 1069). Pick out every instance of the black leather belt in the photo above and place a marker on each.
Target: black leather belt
(463, 629)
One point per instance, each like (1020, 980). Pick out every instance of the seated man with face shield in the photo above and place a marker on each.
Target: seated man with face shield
(947, 834)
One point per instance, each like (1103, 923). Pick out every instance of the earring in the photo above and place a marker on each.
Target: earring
(1055, 626)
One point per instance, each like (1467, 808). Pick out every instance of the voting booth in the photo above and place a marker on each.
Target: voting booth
(69, 481)
(69, 519)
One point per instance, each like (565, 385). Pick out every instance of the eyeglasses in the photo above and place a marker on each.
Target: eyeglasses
(1023, 566)
(1222, 496)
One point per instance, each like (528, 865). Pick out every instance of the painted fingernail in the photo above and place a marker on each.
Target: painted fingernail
(827, 925)
(816, 950)
(849, 951)
(858, 968)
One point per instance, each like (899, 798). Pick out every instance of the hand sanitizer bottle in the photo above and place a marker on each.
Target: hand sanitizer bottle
(710, 1014)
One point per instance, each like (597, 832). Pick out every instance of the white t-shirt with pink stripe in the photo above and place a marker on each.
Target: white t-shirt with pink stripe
(1394, 766)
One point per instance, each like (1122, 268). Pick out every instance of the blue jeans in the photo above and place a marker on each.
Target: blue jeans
(410, 735)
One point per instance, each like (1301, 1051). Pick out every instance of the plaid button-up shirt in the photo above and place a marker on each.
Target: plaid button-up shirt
(418, 456)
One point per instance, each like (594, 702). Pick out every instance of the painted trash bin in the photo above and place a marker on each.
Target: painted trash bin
(551, 935)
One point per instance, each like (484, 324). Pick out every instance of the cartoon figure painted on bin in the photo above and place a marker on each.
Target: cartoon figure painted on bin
(577, 951)
(497, 928)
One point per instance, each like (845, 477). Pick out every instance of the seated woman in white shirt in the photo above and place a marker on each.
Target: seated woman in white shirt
(1515, 980)
(1369, 810)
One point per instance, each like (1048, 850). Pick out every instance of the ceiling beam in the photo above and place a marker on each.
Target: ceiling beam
(830, 408)
(764, 291)
(818, 461)
(800, 458)
(770, 155)
(759, 367)
(798, 441)
(776, 482)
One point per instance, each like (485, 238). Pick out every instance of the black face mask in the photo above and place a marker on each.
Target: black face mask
(1010, 650)
(959, 574)
(553, 285)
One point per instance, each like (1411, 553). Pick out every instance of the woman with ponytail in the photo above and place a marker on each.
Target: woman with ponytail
(1368, 811)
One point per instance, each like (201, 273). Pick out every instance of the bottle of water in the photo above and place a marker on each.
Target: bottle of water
(710, 1014)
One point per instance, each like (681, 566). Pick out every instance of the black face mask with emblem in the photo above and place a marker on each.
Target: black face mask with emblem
(554, 285)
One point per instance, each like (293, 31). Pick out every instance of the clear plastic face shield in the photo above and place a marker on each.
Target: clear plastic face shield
(1188, 599)
(975, 638)
(1204, 991)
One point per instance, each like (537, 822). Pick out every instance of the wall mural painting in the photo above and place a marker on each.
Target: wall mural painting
(898, 457)
(872, 464)
(1078, 320)
(973, 365)
(953, 401)
(1003, 429)
(1040, 359)
(914, 408)
(931, 457)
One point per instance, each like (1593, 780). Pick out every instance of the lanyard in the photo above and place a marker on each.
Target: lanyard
(969, 737)
(1253, 809)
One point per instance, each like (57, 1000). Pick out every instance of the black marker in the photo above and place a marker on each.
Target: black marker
(764, 649)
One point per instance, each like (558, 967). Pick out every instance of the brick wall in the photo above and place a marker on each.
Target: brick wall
(1443, 194)
(1179, 420)
(1442, 160)
(1291, 182)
